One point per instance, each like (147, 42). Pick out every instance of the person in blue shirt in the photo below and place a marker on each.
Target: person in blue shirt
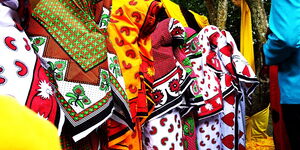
(283, 49)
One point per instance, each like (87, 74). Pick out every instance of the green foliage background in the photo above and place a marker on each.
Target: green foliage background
(234, 14)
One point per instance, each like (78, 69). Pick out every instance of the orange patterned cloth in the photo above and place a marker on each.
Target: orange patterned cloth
(131, 24)
(129, 30)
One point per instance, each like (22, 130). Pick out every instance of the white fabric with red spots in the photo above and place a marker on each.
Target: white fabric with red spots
(17, 59)
(164, 132)
(22, 72)
(237, 81)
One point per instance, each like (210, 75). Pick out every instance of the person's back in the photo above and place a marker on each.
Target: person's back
(283, 49)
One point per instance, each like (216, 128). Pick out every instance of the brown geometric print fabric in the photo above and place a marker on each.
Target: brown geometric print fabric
(72, 26)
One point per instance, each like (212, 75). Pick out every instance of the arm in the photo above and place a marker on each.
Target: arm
(284, 40)
(276, 51)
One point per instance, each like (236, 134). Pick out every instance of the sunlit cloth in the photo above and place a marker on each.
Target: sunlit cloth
(205, 65)
(101, 11)
(164, 132)
(202, 20)
(188, 18)
(12, 42)
(189, 120)
(129, 31)
(173, 10)
(170, 83)
(118, 135)
(86, 70)
(208, 126)
(256, 131)
(257, 124)
(243, 77)
(185, 61)
(237, 81)
(22, 129)
(22, 73)
(71, 24)
(208, 132)
(261, 144)
(246, 34)
(171, 80)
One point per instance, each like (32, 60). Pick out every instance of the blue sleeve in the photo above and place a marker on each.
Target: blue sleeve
(276, 50)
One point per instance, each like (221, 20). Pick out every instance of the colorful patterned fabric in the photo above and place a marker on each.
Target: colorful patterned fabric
(235, 78)
(189, 137)
(187, 64)
(72, 26)
(131, 23)
(117, 133)
(164, 84)
(21, 68)
(171, 82)
(88, 96)
(15, 44)
(170, 79)
(164, 132)
(129, 30)
(233, 123)
(243, 77)
(205, 65)
(209, 133)
(102, 13)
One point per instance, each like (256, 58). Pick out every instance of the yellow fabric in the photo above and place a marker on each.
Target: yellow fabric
(143, 45)
(236, 2)
(119, 142)
(126, 21)
(201, 20)
(173, 11)
(246, 35)
(256, 127)
(261, 144)
(23, 129)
